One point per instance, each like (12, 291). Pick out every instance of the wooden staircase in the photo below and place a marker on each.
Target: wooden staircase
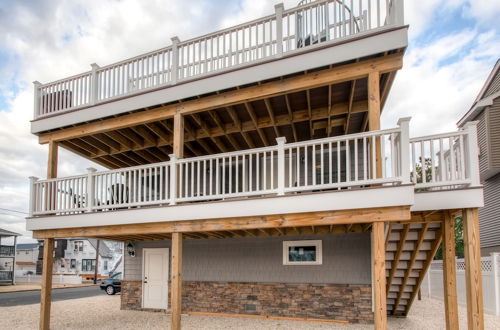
(410, 249)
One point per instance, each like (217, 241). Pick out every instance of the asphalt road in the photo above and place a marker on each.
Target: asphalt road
(33, 297)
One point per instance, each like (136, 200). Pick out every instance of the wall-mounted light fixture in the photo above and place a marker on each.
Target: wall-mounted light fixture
(131, 249)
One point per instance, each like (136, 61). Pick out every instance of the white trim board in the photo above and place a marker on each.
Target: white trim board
(298, 203)
(448, 199)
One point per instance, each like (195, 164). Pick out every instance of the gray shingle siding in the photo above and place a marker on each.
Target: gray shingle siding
(346, 260)
(489, 215)
(494, 86)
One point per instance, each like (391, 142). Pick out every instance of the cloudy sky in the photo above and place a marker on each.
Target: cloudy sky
(453, 46)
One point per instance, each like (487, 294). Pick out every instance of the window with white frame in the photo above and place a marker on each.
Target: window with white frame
(308, 252)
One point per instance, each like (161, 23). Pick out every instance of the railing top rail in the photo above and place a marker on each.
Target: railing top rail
(131, 59)
(76, 76)
(137, 167)
(228, 154)
(438, 136)
(344, 137)
(62, 178)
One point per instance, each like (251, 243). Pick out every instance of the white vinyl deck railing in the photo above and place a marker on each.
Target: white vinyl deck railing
(343, 162)
(285, 32)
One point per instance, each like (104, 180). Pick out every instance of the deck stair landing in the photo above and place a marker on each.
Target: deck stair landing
(410, 249)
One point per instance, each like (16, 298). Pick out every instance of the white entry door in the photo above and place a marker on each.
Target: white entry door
(155, 281)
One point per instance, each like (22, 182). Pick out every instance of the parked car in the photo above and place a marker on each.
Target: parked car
(112, 284)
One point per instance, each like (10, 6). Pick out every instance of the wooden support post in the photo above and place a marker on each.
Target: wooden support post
(52, 160)
(46, 287)
(449, 273)
(473, 279)
(179, 135)
(379, 276)
(374, 115)
(176, 298)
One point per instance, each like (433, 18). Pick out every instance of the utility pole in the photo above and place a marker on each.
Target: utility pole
(96, 261)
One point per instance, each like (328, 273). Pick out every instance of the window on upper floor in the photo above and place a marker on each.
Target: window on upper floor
(307, 252)
(78, 246)
(73, 263)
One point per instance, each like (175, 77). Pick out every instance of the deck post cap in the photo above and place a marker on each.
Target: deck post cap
(279, 6)
(281, 140)
(91, 170)
(404, 119)
(95, 66)
(175, 40)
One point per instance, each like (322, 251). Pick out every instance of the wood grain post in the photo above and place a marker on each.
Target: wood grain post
(176, 298)
(473, 279)
(46, 285)
(449, 273)
(179, 135)
(374, 116)
(52, 160)
(51, 187)
(379, 276)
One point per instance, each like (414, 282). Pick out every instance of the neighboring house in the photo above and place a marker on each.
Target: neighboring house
(26, 258)
(8, 241)
(78, 257)
(486, 110)
(247, 170)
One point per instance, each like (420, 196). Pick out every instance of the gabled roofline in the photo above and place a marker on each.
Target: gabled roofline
(480, 103)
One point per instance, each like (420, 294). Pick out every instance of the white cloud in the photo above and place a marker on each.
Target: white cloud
(439, 81)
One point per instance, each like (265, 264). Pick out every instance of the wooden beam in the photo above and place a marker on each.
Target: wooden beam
(449, 273)
(257, 92)
(290, 116)
(473, 277)
(46, 285)
(351, 99)
(176, 298)
(379, 280)
(251, 113)
(272, 117)
(374, 116)
(52, 160)
(179, 135)
(387, 214)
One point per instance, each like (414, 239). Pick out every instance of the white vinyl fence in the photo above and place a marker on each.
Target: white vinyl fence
(432, 286)
(56, 279)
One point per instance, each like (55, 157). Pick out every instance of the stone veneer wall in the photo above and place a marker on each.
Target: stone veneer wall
(317, 301)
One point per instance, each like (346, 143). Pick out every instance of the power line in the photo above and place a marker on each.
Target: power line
(4, 209)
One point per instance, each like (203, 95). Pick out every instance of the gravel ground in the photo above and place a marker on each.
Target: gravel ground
(103, 312)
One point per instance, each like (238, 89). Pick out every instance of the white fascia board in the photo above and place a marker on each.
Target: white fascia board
(299, 203)
(294, 62)
(448, 199)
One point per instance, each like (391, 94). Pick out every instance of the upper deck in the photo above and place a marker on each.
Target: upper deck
(314, 34)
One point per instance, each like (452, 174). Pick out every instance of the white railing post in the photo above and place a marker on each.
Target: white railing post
(90, 188)
(173, 178)
(496, 284)
(94, 85)
(32, 202)
(396, 13)
(37, 96)
(175, 60)
(472, 152)
(281, 164)
(279, 8)
(404, 141)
